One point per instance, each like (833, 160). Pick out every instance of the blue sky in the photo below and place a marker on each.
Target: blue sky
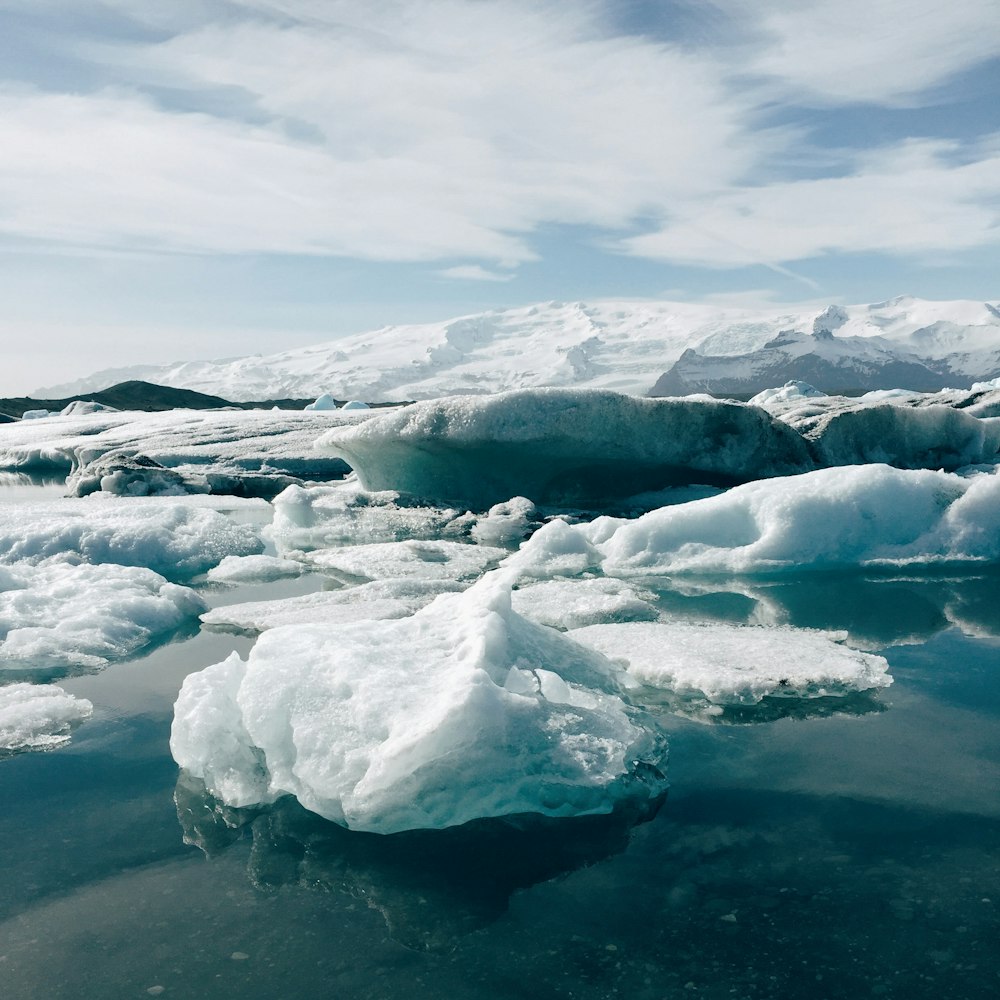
(209, 178)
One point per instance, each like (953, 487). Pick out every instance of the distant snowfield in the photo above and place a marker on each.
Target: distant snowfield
(624, 346)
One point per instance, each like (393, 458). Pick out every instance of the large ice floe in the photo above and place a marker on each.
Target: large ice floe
(564, 446)
(462, 711)
(38, 716)
(857, 516)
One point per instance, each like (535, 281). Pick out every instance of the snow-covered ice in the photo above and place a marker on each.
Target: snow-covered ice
(177, 540)
(375, 601)
(38, 716)
(736, 665)
(462, 711)
(568, 446)
(57, 615)
(572, 604)
(424, 560)
(253, 569)
(855, 516)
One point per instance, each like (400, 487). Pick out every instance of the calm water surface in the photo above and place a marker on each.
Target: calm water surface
(837, 855)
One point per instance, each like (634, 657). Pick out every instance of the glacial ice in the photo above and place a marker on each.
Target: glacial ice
(573, 604)
(38, 716)
(130, 476)
(253, 569)
(563, 446)
(324, 401)
(425, 560)
(58, 615)
(375, 601)
(854, 516)
(177, 540)
(736, 664)
(462, 711)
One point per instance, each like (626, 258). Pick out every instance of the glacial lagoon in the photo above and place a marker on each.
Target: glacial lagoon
(847, 847)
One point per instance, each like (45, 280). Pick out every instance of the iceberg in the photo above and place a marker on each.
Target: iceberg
(38, 716)
(253, 569)
(563, 446)
(421, 560)
(463, 711)
(322, 402)
(176, 540)
(573, 604)
(856, 516)
(58, 616)
(736, 664)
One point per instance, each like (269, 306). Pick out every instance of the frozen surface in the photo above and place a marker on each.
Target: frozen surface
(855, 516)
(564, 446)
(736, 665)
(172, 538)
(571, 604)
(38, 716)
(59, 615)
(249, 569)
(422, 560)
(378, 600)
(464, 710)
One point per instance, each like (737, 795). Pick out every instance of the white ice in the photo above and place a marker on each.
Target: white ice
(253, 569)
(569, 446)
(464, 710)
(59, 615)
(175, 539)
(848, 517)
(736, 664)
(322, 402)
(572, 604)
(375, 601)
(424, 560)
(38, 716)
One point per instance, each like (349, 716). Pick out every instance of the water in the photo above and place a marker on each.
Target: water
(841, 855)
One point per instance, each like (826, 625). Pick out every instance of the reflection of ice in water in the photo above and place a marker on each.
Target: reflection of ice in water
(431, 886)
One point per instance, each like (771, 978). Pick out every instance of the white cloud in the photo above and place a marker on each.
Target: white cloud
(474, 272)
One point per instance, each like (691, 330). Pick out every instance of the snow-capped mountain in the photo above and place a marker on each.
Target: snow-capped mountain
(624, 345)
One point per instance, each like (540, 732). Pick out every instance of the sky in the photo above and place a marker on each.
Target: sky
(215, 178)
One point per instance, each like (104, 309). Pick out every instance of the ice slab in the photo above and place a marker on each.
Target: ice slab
(572, 604)
(379, 600)
(38, 716)
(463, 711)
(563, 446)
(252, 569)
(736, 665)
(61, 616)
(423, 560)
(178, 540)
(855, 516)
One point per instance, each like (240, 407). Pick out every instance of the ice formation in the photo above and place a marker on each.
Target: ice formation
(847, 517)
(176, 540)
(130, 476)
(568, 446)
(322, 402)
(38, 716)
(734, 664)
(462, 711)
(425, 560)
(253, 569)
(793, 390)
(376, 601)
(59, 615)
(572, 604)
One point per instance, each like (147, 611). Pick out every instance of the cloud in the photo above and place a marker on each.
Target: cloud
(474, 272)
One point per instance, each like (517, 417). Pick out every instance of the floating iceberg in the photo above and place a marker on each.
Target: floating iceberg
(130, 476)
(855, 516)
(408, 560)
(563, 446)
(736, 664)
(322, 402)
(58, 616)
(376, 601)
(38, 716)
(253, 569)
(174, 539)
(463, 711)
(572, 604)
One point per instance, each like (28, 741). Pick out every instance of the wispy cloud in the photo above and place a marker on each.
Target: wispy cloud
(474, 272)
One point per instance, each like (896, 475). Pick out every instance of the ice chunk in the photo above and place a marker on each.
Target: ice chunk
(376, 601)
(464, 710)
(355, 404)
(58, 615)
(35, 414)
(572, 604)
(38, 716)
(130, 476)
(507, 524)
(80, 407)
(736, 664)
(244, 569)
(323, 402)
(854, 516)
(398, 560)
(565, 446)
(320, 516)
(174, 539)
(793, 390)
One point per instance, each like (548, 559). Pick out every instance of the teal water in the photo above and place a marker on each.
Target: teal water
(825, 853)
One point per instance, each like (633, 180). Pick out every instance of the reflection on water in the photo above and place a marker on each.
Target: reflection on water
(30, 487)
(430, 886)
